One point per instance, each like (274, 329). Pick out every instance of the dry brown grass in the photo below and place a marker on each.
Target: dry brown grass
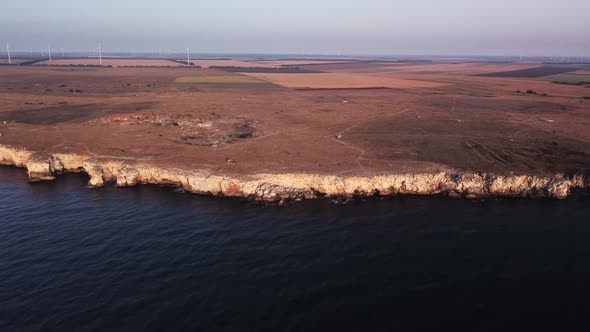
(144, 115)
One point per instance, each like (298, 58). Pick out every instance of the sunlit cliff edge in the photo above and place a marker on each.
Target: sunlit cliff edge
(42, 165)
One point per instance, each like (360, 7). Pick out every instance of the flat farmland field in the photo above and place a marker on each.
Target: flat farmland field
(582, 78)
(458, 68)
(341, 81)
(351, 66)
(298, 62)
(219, 79)
(231, 63)
(534, 72)
(421, 68)
(111, 62)
(14, 61)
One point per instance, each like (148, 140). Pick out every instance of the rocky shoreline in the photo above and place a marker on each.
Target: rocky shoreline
(42, 165)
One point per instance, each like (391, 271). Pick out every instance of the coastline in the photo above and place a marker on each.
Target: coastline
(45, 166)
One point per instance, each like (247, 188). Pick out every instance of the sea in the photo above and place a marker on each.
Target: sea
(151, 258)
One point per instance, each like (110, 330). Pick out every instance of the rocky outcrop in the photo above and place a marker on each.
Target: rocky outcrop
(279, 187)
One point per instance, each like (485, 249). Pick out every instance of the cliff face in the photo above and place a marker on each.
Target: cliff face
(278, 187)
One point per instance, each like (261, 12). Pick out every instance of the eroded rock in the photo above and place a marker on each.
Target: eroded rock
(292, 186)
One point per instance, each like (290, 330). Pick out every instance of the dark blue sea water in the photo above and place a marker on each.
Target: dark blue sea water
(151, 259)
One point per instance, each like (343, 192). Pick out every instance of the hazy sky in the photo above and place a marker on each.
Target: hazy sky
(431, 27)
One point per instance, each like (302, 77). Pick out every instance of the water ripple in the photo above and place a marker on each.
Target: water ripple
(151, 259)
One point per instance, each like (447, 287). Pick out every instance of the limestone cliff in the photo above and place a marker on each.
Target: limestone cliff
(42, 165)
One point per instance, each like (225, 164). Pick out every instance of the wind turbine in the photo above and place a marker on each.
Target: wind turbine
(188, 57)
(49, 51)
(8, 52)
(100, 54)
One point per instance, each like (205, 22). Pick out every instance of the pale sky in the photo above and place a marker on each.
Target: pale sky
(384, 27)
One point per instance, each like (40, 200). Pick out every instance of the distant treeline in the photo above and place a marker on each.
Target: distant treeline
(183, 62)
(581, 83)
(32, 62)
(409, 60)
(35, 61)
(146, 66)
(79, 65)
(566, 63)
